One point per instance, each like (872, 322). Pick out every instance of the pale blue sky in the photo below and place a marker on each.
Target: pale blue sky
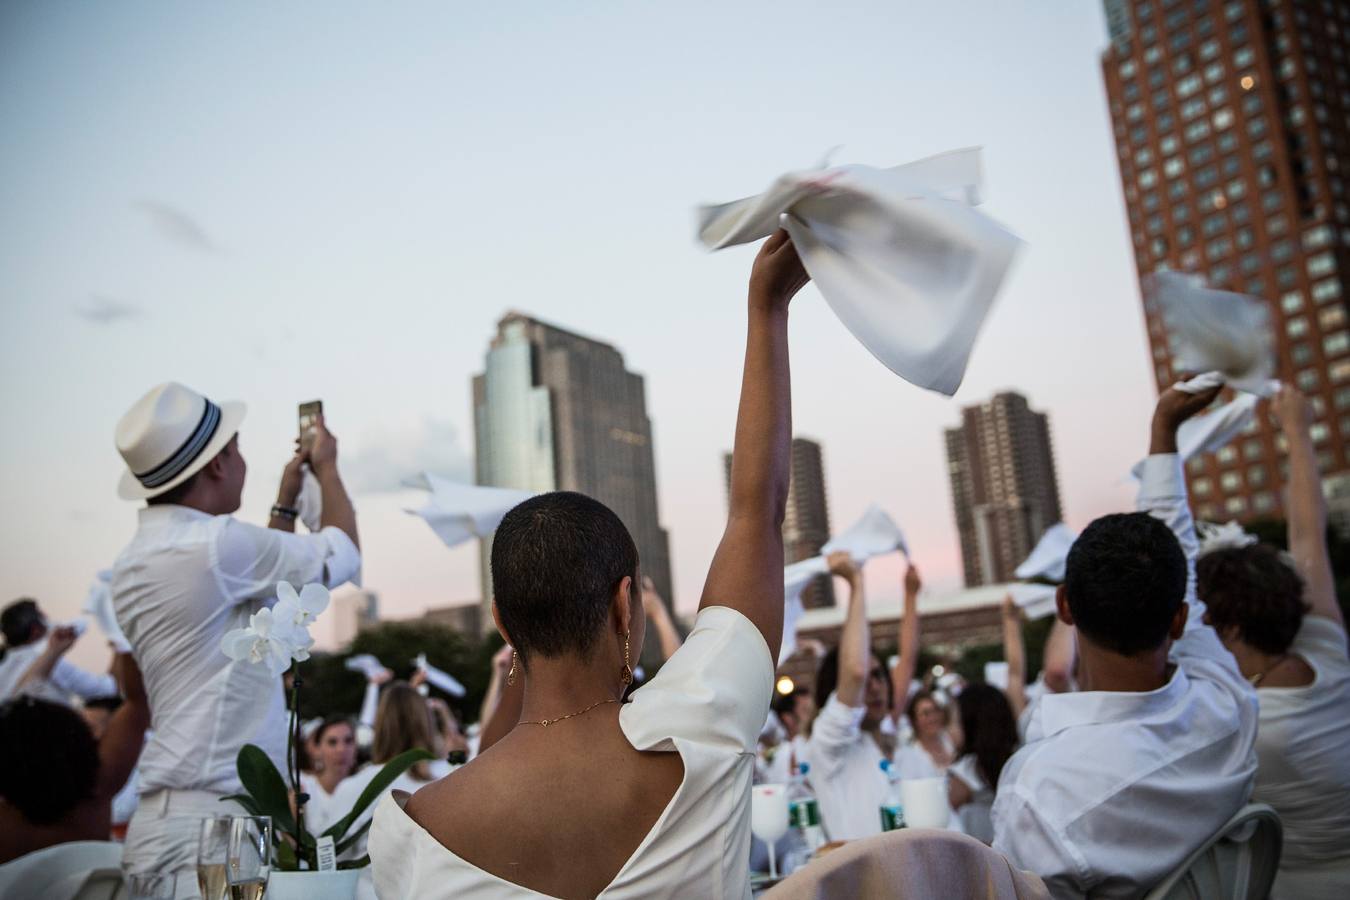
(273, 202)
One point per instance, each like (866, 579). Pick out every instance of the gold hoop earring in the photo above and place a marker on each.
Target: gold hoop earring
(626, 673)
(511, 676)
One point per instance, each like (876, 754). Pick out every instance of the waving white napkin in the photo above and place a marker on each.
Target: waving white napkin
(98, 606)
(875, 534)
(310, 502)
(1217, 330)
(1214, 536)
(459, 512)
(899, 254)
(365, 663)
(443, 680)
(1210, 431)
(1048, 557)
(1035, 600)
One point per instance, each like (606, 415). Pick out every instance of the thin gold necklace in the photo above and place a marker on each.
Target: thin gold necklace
(1261, 676)
(548, 722)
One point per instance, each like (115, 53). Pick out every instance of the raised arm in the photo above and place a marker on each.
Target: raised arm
(908, 659)
(747, 570)
(1307, 506)
(338, 511)
(59, 642)
(1057, 659)
(1015, 652)
(659, 618)
(855, 641)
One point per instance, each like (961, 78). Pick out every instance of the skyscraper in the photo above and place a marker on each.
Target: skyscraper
(806, 526)
(1232, 129)
(557, 411)
(1002, 469)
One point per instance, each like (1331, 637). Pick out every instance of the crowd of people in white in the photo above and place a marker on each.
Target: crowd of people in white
(1179, 684)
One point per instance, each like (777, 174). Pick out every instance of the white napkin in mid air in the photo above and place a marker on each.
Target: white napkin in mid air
(443, 680)
(459, 512)
(1035, 600)
(365, 663)
(98, 606)
(900, 255)
(875, 534)
(1210, 431)
(1214, 536)
(1218, 331)
(1048, 557)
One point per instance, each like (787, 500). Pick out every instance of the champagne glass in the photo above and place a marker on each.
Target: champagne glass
(769, 818)
(248, 858)
(213, 841)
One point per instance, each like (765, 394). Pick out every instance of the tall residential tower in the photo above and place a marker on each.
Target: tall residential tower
(1232, 129)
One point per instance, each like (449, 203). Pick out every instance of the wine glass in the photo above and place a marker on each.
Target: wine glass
(769, 818)
(248, 859)
(213, 841)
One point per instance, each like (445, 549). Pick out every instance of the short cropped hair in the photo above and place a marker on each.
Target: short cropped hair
(48, 759)
(1125, 580)
(556, 561)
(1252, 589)
(17, 621)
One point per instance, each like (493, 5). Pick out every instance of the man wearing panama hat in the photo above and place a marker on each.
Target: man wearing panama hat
(191, 573)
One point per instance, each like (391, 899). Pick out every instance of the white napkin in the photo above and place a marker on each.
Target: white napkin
(1210, 431)
(1217, 330)
(310, 501)
(98, 606)
(899, 254)
(1035, 600)
(443, 680)
(459, 512)
(996, 675)
(364, 663)
(1048, 557)
(875, 534)
(1222, 537)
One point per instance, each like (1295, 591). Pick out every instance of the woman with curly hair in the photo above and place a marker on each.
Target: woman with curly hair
(1282, 624)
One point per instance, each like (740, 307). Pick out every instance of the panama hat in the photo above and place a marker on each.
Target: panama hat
(168, 435)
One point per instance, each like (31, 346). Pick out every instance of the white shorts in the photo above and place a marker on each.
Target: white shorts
(162, 835)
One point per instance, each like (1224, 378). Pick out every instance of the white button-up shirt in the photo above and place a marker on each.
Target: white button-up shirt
(66, 680)
(846, 772)
(185, 579)
(1114, 790)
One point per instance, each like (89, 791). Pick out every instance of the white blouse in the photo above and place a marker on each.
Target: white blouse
(708, 703)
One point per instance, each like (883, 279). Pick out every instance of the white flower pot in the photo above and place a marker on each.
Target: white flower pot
(335, 885)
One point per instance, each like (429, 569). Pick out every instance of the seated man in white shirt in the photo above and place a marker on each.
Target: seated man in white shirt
(1120, 782)
(191, 573)
(26, 633)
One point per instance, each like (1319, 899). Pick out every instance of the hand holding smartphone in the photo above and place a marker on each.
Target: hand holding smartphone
(309, 417)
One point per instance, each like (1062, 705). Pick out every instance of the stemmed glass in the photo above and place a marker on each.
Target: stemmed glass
(769, 818)
(248, 858)
(213, 841)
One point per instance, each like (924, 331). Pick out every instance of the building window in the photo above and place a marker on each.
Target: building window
(1326, 290)
(1251, 105)
(1342, 398)
(1219, 247)
(1292, 301)
(1127, 69)
(1263, 502)
(1189, 85)
(1339, 371)
(1319, 432)
(1256, 476)
(1214, 224)
(1143, 158)
(1335, 344)
(1213, 71)
(1282, 251)
(1192, 108)
(1301, 354)
(1317, 237)
(1256, 127)
(1321, 264)
(1148, 178)
(1227, 141)
(1252, 448)
(1201, 487)
(1235, 506)
(1197, 131)
(1169, 144)
(1227, 454)
(1173, 167)
(1307, 380)
(1219, 275)
(1331, 317)
(1296, 327)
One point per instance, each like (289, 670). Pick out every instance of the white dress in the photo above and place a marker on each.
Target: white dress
(1303, 766)
(708, 704)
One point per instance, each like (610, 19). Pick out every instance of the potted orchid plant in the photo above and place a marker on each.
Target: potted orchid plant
(278, 637)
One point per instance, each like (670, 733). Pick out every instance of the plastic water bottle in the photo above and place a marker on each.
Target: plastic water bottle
(804, 812)
(892, 811)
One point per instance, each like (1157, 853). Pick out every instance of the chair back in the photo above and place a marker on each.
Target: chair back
(1238, 863)
(911, 863)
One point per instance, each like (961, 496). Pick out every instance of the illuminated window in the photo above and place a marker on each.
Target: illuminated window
(1335, 344)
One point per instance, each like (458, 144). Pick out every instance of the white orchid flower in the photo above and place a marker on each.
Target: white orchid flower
(261, 642)
(300, 610)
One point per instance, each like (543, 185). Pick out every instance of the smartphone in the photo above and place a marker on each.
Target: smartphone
(309, 417)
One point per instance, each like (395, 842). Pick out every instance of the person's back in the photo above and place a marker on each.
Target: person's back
(578, 793)
(1120, 782)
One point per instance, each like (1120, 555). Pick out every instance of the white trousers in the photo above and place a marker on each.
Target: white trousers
(162, 835)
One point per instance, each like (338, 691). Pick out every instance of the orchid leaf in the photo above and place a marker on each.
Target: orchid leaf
(378, 785)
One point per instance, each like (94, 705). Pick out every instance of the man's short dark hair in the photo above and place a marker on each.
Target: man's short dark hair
(556, 561)
(17, 621)
(176, 495)
(1125, 580)
(1255, 591)
(48, 759)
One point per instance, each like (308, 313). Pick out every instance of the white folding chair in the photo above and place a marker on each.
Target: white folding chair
(1238, 863)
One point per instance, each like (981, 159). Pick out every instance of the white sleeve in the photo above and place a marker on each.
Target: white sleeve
(249, 561)
(714, 690)
(1030, 843)
(73, 680)
(1162, 494)
(369, 703)
(835, 729)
